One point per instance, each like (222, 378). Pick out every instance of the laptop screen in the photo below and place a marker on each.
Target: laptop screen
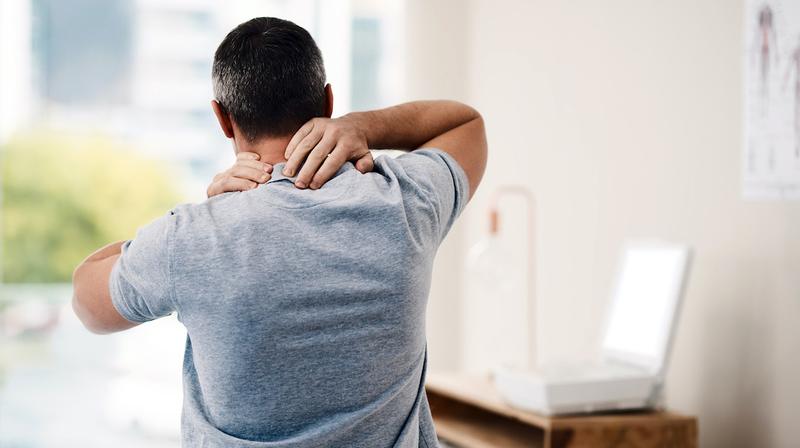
(644, 304)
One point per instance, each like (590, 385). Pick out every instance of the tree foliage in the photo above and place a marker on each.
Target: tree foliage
(66, 195)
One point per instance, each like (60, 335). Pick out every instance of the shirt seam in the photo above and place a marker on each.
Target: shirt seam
(458, 175)
(170, 233)
(431, 196)
(424, 439)
(118, 298)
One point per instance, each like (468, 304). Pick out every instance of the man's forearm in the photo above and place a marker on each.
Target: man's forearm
(410, 125)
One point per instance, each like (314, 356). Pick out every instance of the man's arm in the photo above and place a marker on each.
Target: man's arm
(91, 297)
(322, 143)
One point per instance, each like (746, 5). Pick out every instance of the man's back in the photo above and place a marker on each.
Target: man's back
(305, 309)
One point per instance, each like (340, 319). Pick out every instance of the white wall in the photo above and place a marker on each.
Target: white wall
(435, 67)
(624, 118)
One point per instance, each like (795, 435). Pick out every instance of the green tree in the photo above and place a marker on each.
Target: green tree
(65, 195)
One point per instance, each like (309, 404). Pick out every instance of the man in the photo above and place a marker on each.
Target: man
(304, 294)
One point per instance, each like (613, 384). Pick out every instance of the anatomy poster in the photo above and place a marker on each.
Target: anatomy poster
(771, 165)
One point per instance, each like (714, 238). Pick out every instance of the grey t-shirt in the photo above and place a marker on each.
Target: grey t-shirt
(305, 310)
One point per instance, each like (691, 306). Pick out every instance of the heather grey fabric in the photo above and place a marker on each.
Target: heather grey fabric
(305, 310)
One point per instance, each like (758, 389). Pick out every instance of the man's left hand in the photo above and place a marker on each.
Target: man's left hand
(247, 173)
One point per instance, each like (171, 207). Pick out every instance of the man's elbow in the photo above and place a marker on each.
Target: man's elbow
(470, 113)
(86, 317)
(477, 124)
(82, 302)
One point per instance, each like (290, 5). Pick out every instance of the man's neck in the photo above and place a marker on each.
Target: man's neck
(270, 150)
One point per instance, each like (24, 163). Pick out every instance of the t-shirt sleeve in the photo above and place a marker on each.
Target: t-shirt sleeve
(140, 283)
(442, 181)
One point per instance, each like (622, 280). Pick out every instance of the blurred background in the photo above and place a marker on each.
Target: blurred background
(624, 118)
(105, 124)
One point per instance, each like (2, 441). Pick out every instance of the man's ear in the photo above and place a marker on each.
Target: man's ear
(328, 101)
(223, 118)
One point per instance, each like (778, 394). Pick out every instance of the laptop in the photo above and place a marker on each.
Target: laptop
(635, 346)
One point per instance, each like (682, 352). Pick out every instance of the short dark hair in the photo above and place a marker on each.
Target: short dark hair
(269, 76)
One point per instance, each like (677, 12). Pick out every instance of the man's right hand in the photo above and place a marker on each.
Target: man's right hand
(247, 173)
(322, 146)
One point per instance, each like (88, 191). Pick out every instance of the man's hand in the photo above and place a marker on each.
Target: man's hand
(322, 146)
(247, 173)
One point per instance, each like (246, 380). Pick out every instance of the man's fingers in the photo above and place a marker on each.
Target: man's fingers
(314, 161)
(249, 173)
(236, 184)
(298, 137)
(301, 151)
(228, 184)
(244, 155)
(334, 161)
(255, 164)
(246, 172)
(329, 167)
(366, 163)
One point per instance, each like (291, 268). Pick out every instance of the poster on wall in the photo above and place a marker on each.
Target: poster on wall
(771, 159)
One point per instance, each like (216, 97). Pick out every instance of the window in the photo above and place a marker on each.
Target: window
(105, 124)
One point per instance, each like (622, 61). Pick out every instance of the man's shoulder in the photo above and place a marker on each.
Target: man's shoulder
(215, 211)
(426, 169)
(400, 164)
(416, 162)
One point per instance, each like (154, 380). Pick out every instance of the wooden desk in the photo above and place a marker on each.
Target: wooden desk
(469, 413)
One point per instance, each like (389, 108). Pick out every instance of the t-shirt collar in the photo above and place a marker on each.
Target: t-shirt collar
(277, 172)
